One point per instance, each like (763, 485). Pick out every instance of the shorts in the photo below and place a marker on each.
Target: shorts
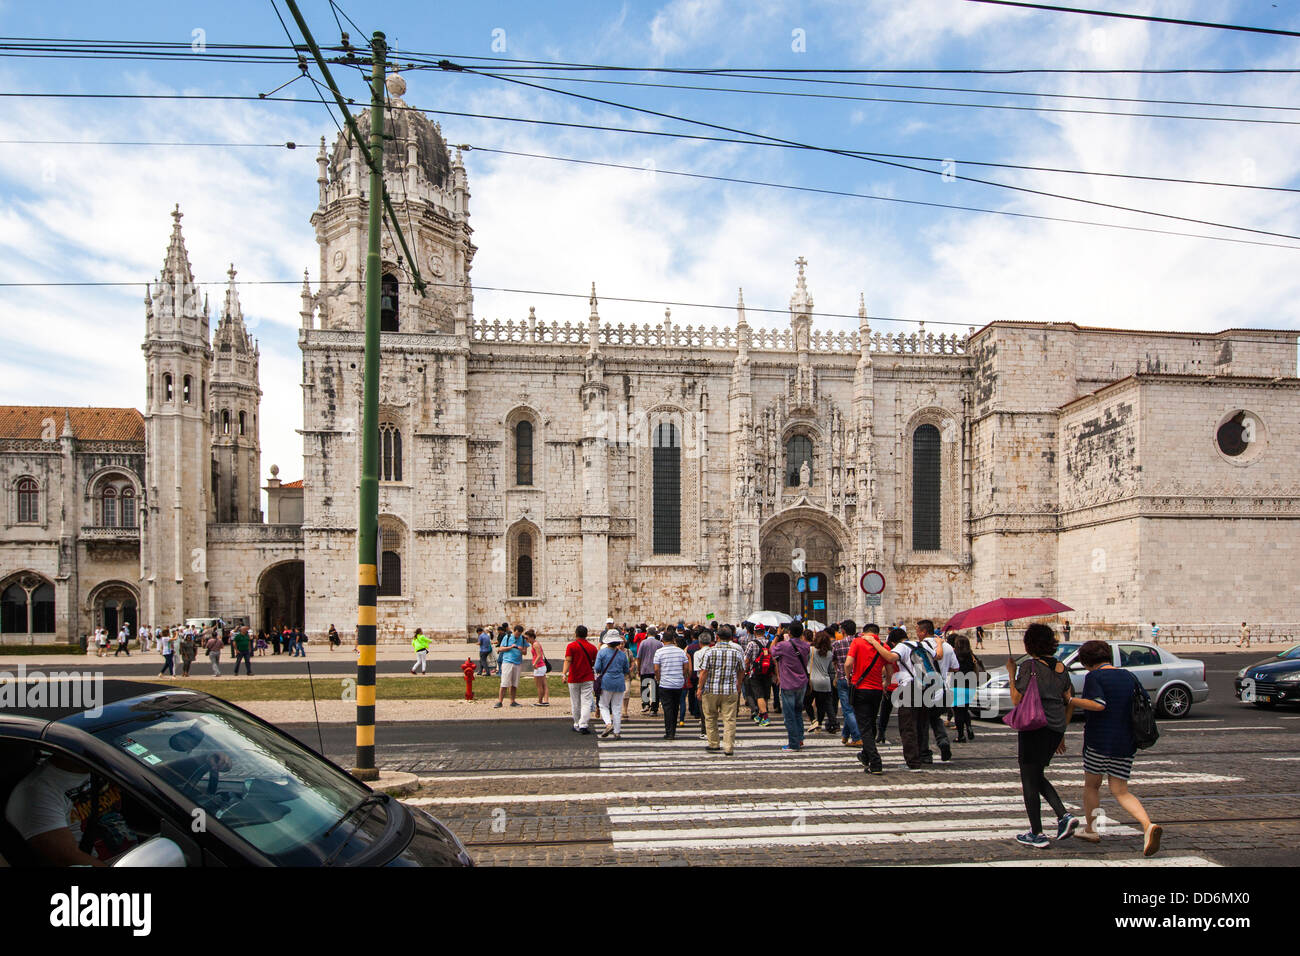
(1118, 768)
(509, 675)
(760, 686)
(540, 670)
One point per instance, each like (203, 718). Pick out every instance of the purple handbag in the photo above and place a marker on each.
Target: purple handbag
(1028, 714)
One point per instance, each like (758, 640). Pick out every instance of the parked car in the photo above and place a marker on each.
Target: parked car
(1174, 683)
(203, 782)
(1273, 681)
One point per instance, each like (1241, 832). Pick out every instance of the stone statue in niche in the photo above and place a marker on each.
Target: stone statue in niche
(805, 475)
(747, 578)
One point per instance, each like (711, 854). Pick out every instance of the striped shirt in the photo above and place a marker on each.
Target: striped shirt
(840, 651)
(722, 664)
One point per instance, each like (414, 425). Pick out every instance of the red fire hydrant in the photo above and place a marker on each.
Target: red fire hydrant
(468, 669)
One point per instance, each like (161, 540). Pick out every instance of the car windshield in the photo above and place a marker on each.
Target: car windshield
(267, 789)
(1062, 652)
(1291, 653)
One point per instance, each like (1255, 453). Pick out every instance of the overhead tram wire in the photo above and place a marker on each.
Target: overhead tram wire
(903, 86)
(884, 162)
(889, 199)
(1050, 8)
(982, 106)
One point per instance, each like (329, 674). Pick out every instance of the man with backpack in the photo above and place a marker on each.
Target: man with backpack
(922, 667)
(758, 671)
(865, 668)
(791, 653)
(645, 663)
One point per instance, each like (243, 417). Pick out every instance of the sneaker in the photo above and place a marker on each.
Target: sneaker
(875, 769)
(681, 723)
(945, 753)
(704, 736)
(1151, 843)
(728, 753)
(862, 759)
(584, 730)
(515, 704)
(1036, 840)
(765, 723)
(1066, 826)
(496, 705)
(713, 750)
(854, 743)
(915, 766)
(788, 749)
(928, 759)
(575, 730)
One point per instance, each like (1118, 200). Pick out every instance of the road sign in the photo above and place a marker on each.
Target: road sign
(873, 600)
(872, 582)
(819, 605)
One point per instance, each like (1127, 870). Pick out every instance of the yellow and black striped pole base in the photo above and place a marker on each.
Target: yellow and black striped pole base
(367, 590)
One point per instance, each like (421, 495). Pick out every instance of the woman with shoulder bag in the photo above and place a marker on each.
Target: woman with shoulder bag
(1043, 705)
(541, 667)
(1109, 742)
(968, 669)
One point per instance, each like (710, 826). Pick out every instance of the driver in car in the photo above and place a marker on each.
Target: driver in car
(70, 818)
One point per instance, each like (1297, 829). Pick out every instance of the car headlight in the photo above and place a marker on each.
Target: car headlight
(1242, 673)
(1292, 678)
(998, 683)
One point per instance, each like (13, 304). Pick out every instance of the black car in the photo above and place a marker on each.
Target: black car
(1271, 682)
(182, 778)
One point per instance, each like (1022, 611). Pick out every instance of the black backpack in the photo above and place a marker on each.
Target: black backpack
(1145, 731)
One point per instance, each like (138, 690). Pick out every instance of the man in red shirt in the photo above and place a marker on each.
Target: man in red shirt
(580, 675)
(865, 666)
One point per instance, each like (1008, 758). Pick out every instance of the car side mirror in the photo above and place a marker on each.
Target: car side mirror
(159, 851)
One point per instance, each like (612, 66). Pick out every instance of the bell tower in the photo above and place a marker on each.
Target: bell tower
(178, 360)
(233, 408)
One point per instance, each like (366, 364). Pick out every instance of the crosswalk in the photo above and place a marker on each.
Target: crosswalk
(819, 796)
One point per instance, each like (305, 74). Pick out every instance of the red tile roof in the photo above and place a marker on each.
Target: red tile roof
(291, 484)
(88, 424)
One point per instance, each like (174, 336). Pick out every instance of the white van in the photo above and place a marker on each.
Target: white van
(203, 622)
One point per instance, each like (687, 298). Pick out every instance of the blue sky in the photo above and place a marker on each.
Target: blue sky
(100, 213)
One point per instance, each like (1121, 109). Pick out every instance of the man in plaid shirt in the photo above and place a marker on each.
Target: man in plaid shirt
(722, 670)
(840, 653)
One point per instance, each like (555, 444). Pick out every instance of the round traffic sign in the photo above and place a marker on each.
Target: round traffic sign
(872, 582)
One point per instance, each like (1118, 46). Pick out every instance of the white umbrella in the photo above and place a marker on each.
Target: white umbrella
(769, 618)
(814, 626)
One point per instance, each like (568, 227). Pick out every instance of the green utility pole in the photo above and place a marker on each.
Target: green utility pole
(368, 515)
(368, 506)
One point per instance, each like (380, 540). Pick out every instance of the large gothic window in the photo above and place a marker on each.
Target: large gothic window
(524, 566)
(390, 453)
(388, 303)
(524, 453)
(667, 480)
(925, 489)
(29, 501)
(798, 449)
(27, 606)
(390, 560)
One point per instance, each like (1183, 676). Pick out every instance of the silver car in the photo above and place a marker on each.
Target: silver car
(1173, 682)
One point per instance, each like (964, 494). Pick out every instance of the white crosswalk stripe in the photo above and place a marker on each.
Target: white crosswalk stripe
(946, 803)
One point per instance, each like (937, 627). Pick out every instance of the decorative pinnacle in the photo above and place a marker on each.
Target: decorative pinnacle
(592, 302)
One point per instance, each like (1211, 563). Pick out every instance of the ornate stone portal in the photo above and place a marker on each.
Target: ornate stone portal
(814, 541)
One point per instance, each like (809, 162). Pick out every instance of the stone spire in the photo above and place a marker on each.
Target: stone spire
(742, 328)
(801, 302)
(176, 266)
(864, 330)
(67, 425)
(307, 306)
(593, 325)
(231, 310)
(322, 174)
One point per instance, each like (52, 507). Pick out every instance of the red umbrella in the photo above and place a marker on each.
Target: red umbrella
(1002, 610)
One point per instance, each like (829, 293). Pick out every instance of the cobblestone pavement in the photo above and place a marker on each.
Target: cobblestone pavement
(1227, 793)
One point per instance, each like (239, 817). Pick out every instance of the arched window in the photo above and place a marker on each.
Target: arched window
(225, 421)
(13, 610)
(242, 423)
(29, 501)
(667, 481)
(388, 303)
(167, 387)
(925, 489)
(390, 453)
(187, 389)
(42, 603)
(115, 502)
(524, 565)
(798, 449)
(524, 453)
(390, 560)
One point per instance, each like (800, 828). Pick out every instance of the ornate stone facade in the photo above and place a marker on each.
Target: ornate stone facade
(556, 470)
